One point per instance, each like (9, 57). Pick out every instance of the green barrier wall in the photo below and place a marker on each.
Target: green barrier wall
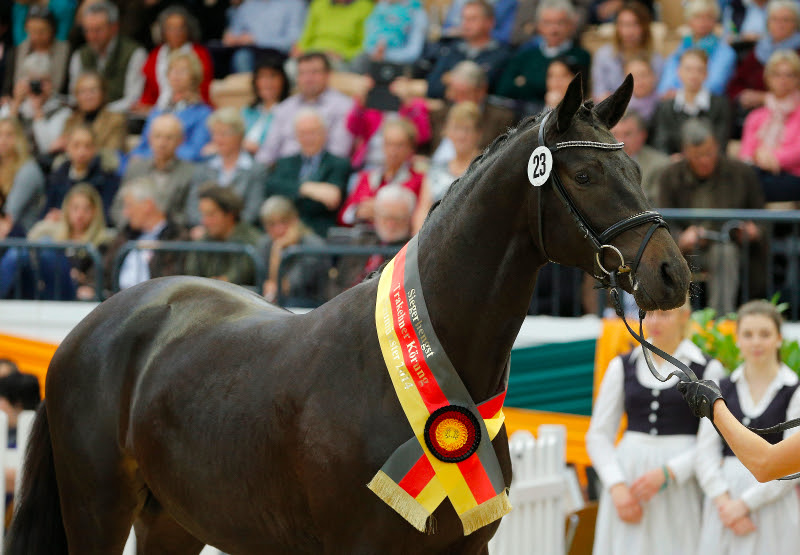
(557, 377)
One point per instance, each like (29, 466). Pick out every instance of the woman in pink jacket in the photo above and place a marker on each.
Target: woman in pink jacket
(769, 137)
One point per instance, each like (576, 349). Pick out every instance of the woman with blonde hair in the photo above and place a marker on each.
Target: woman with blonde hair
(648, 476)
(61, 274)
(463, 129)
(769, 137)
(742, 516)
(21, 181)
(185, 75)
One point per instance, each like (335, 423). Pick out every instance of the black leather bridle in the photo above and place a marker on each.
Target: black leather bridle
(600, 241)
(609, 278)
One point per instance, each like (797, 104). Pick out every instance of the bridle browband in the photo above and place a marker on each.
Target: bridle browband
(600, 241)
(609, 279)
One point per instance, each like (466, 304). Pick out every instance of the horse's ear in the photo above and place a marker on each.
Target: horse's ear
(569, 105)
(610, 110)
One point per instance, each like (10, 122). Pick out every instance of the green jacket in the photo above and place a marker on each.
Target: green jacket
(524, 76)
(236, 268)
(285, 180)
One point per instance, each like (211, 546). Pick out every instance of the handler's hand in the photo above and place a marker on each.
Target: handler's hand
(731, 511)
(628, 508)
(743, 526)
(648, 484)
(700, 396)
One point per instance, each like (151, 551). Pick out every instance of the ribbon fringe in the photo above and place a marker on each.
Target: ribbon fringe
(486, 513)
(399, 500)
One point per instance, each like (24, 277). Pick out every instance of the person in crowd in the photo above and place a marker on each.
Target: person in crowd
(335, 27)
(270, 88)
(315, 180)
(80, 219)
(18, 392)
(769, 137)
(560, 73)
(171, 175)
(145, 207)
(649, 473)
(219, 209)
(644, 99)
(82, 165)
(740, 515)
(524, 76)
(22, 191)
(256, 26)
(753, 24)
(399, 142)
(179, 32)
(392, 227)
(468, 82)
(40, 27)
(231, 167)
(117, 58)
(110, 128)
(701, 17)
(504, 15)
(747, 88)
(707, 179)
(394, 32)
(8, 367)
(525, 19)
(366, 126)
(475, 44)
(313, 91)
(394, 210)
(463, 131)
(41, 111)
(632, 130)
(632, 39)
(185, 74)
(692, 100)
(302, 277)
(62, 11)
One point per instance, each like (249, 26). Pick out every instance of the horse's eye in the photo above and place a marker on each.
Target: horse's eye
(582, 178)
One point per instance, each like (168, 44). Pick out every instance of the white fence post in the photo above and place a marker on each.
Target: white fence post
(536, 523)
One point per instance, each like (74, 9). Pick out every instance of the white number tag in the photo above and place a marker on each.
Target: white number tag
(540, 165)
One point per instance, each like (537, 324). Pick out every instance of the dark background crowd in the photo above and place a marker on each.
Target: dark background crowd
(277, 123)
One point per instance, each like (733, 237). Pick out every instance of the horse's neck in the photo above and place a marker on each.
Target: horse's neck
(478, 266)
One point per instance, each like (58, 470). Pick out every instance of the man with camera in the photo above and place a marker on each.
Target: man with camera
(41, 111)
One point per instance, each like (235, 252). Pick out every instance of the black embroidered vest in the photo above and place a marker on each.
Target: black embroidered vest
(657, 411)
(774, 414)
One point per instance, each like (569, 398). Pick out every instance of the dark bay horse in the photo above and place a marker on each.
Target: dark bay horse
(202, 414)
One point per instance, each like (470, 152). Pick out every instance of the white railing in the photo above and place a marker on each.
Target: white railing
(541, 493)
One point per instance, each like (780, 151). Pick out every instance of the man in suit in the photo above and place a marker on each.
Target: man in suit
(632, 130)
(314, 179)
(171, 174)
(145, 211)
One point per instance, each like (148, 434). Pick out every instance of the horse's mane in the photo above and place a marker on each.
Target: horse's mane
(459, 184)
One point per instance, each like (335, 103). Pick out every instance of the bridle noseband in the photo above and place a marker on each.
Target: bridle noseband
(600, 241)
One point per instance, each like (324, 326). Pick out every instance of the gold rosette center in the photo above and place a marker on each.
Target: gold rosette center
(451, 434)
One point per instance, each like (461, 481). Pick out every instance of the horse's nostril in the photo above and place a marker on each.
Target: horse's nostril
(667, 274)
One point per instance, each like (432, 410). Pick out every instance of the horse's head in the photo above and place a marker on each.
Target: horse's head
(573, 222)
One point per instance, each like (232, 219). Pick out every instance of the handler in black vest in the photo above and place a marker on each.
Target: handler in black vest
(761, 393)
(117, 58)
(648, 478)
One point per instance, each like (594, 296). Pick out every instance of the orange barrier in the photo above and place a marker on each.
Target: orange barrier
(32, 357)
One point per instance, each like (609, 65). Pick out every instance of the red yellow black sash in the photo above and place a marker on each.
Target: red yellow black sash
(451, 453)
